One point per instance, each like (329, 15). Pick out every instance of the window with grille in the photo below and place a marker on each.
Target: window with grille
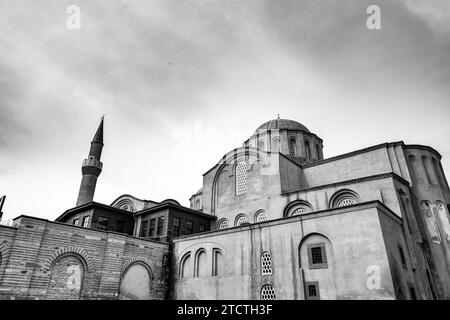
(120, 226)
(312, 290)
(241, 220)
(241, 178)
(176, 226)
(223, 224)
(86, 221)
(292, 147)
(160, 229)
(261, 217)
(317, 256)
(76, 222)
(151, 231)
(267, 292)
(299, 211)
(202, 228)
(189, 226)
(346, 202)
(144, 227)
(266, 263)
(102, 223)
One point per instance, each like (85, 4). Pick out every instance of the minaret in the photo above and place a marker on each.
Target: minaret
(91, 168)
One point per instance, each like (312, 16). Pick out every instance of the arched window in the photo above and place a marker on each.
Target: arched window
(200, 263)
(438, 173)
(217, 262)
(260, 216)
(318, 151)
(296, 208)
(445, 218)
(344, 198)
(292, 147)
(197, 204)
(185, 265)
(429, 170)
(260, 145)
(276, 144)
(430, 221)
(267, 292)
(424, 165)
(307, 150)
(266, 263)
(241, 178)
(223, 223)
(240, 220)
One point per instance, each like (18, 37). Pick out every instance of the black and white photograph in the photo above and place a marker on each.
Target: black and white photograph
(229, 150)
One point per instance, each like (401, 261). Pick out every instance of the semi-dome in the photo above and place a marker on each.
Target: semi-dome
(282, 124)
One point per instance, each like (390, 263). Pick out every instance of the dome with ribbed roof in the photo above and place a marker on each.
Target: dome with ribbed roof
(282, 124)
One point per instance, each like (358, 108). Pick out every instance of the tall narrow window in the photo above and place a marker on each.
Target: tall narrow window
(144, 227)
(189, 226)
(176, 226)
(412, 291)
(267, 292)
(86, 221)
(185, 266)
(217, 262)
(292, 147)
(197, 204)
(160, 226)
(307, 150)
(402, 256)
(200, 264)
(266, 263)
(151, 231)
(241, 178)
(318, 151)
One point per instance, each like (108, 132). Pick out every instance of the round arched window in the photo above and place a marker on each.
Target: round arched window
(223, 224)
(240, 220)
(267, 292)
(261, 217)
(344, 198)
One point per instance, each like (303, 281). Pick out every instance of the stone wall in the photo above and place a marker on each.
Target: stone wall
(41, 259)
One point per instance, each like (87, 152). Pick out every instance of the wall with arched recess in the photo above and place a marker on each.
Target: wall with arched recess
(136, 282)
(325, 275)
(66, 278)
(50, 260)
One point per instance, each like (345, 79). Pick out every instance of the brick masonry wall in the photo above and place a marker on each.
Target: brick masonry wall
(36, 250)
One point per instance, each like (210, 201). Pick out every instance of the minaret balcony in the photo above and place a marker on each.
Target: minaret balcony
(92, 166)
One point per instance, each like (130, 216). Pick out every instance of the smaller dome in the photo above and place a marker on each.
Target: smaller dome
(171, 201)
(281, 124)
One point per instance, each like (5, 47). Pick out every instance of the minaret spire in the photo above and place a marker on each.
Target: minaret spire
(91, 168)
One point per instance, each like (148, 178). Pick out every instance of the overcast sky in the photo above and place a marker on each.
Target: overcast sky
(183, 82)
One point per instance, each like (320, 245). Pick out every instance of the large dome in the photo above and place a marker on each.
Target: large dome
(282, 124)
